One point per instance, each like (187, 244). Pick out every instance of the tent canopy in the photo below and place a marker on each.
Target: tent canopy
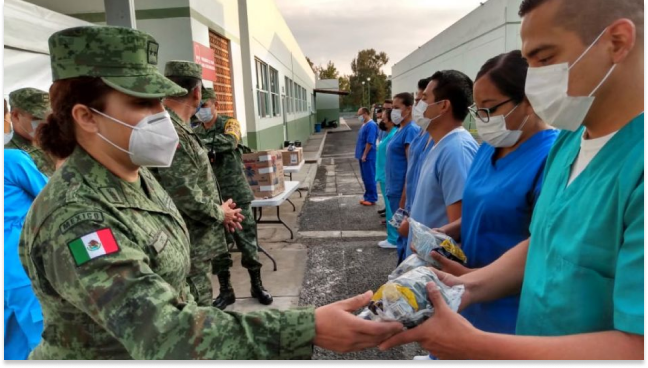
(27, 28)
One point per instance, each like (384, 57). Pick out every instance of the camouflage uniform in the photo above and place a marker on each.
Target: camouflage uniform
(36, 103)
(223, 142)
(191, 183)
(133, 301)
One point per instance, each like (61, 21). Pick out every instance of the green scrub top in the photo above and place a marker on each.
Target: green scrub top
(585, 266)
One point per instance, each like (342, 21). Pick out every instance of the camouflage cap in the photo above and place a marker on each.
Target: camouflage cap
(32, 100)
(181, 68)
(207, 94)
(125, 59)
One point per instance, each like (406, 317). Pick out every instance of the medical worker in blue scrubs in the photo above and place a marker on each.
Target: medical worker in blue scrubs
(439, 193)
(503, 183)
(23, 318)
(387, 126)
(581, 273)
(365, 153)
(398, 156)
(418, 149)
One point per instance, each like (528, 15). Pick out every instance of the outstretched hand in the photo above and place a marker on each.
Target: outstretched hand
(337, 329)
(446, 334)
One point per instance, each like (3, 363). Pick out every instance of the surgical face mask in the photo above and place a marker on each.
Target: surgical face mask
(8, 136)
(419, 114)
(34, 125)
(153, 141)
(495, 133)
(396, 116)
(546, 88)
(361, 119)
(204, 114)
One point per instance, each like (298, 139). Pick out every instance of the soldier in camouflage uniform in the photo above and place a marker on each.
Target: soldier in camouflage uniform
(105, 247)
(222, 136)
(29, 108)
(191, 183)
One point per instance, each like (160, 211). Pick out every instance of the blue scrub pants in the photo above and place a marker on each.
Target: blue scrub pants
(23, 322)
(392, 232)
(394, 203)
(368, 172)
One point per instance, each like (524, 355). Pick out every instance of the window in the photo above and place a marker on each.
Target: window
(287, 98)
(262, 86)
(274, 91)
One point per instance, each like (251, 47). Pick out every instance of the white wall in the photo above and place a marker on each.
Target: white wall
(326, 101)
(488, 31)
(272, 42)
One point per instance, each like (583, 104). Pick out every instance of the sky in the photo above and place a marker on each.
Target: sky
(337, 29)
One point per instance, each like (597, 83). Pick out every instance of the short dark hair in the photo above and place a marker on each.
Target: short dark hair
(456, 87)
(508, 73)
(388, 102)
(365, 110)
(406, 98)
(423, 83)
(388, 113)
(588, 17)
(188, 83)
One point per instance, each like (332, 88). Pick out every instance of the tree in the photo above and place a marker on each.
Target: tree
(368, 64)
(313, 67)
(330, 72)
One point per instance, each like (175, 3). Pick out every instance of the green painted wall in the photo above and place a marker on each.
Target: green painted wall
(329, 114)
(273, 137)
(300, 129)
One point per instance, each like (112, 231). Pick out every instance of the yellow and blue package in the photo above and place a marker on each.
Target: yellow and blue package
(405, 299)
(426, 240)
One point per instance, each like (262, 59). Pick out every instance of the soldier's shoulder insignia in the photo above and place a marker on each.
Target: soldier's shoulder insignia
(80, 217)
(94, 245)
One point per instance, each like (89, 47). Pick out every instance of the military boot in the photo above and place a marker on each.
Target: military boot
(258, 291)
(226, 295)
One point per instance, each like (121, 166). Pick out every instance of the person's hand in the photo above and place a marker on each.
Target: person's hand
(452, 280)
(364, 158)
(450, 266)
(446, 334)
(233, 216)
(338, 330)
(403, 230)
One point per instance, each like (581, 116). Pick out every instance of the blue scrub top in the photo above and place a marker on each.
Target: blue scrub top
(585, 267)
(396, 168)
(417, 153)
(368, 134)
(442, 178)
(22, 183)
(498, 202)
(381, 156)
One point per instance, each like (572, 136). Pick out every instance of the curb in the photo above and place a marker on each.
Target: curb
(319, 152)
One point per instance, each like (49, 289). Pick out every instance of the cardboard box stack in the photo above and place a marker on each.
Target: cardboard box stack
(264, 172)
(292, 158)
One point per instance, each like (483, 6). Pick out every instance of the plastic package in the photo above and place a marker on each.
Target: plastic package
(405, 299)
(398, 217)
(410, 263)
(425, 241)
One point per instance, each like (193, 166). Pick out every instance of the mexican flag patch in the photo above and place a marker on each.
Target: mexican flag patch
(93, 245)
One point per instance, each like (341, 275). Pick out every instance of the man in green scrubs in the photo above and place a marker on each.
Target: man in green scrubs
(581, 273)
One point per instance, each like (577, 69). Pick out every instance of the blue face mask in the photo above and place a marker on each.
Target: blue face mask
(204, 114)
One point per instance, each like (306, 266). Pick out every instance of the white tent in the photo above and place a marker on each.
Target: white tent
(27, 28)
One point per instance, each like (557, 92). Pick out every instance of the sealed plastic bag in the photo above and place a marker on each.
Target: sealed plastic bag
(398, 217)
(410, 263)
(425, 241)
(405, 299)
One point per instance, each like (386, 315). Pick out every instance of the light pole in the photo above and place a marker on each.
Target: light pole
(363, 95)
(369, 91)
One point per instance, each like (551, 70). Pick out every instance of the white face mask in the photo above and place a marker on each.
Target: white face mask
(546, 88)
(204, 114)
(495, 133)
(8, 136)
(418, 114)
(153, 141)
(396, 116)
(361, 119)
(34, 125)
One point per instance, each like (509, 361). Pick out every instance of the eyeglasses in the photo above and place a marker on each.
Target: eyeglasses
(484, 114)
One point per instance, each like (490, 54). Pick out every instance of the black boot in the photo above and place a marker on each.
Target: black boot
(258, 291)
(226, 295)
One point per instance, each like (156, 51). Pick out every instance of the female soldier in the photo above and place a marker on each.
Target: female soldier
(105, 247)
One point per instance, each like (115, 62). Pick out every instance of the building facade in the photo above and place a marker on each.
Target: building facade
(249, 56)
